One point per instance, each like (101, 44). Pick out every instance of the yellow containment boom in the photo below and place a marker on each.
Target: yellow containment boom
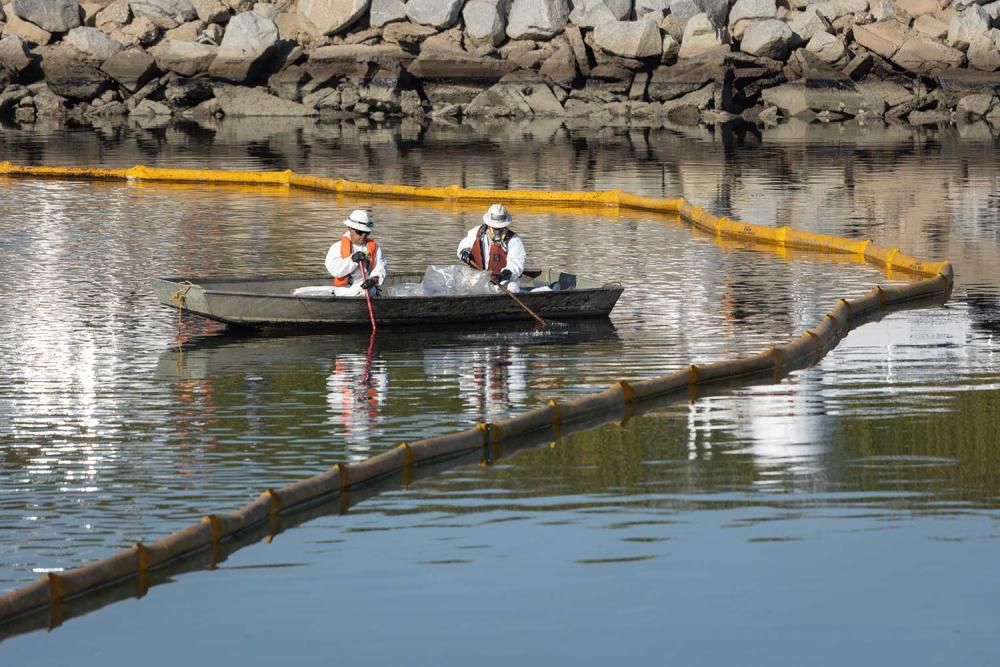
(206, 543)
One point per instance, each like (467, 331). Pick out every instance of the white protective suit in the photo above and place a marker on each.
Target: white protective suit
(516, 256)
(345, 266)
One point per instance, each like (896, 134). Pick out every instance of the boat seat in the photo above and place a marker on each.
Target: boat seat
(566, 281)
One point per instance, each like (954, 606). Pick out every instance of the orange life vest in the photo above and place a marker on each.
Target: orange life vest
(345, 252)
(498, 241)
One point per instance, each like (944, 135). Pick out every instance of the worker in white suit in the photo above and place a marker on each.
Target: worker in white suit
(494, 247)
(355, 250)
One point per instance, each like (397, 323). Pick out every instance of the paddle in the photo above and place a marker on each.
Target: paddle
(368, 296)
(538, 318)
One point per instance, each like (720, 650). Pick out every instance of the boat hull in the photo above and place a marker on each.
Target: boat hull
(268, 303)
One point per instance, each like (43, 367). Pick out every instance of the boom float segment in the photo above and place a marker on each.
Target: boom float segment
(549, 422)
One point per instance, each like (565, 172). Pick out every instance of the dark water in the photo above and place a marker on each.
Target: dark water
(848, 513)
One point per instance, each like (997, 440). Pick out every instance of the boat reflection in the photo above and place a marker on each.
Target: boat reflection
(363, 392)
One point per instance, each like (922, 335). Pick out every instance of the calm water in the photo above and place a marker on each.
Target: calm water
(848, 513)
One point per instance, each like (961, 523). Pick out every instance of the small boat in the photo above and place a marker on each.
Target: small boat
(264, 303)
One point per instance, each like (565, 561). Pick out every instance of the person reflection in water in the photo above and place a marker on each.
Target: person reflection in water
(355, 261)
(493, 247)
(491, 379)
(355, 393)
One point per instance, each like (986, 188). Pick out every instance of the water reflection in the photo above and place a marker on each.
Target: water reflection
(355, 392)
(109, 433)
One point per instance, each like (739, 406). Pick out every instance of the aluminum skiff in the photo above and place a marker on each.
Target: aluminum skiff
(263, 303)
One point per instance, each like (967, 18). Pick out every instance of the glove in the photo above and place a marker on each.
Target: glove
(466, 256)
(368, 283)
(505, 275)
(359, 256)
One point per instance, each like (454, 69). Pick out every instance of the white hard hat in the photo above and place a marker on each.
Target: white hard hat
(497, 217)
(360, 220)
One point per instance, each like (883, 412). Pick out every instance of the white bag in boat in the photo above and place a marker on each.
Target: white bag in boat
(450, 280)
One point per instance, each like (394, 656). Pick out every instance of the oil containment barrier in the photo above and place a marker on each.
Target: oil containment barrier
(56, 597)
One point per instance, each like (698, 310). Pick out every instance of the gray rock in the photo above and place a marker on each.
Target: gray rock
(93, 42)
(592, 13)
(560, 67)
(441, 14)
(166, 14)
(214, 11)
(671, 82)
(184, 58)
(26, 30)
(827, 48)
(643, 7)
(148, 107)
(629, 39)
(967, 26)
(14, 55)
(702, 37)
(132, 68)
(768, 39)
(921, 55)
(328, 17)
(68, 74)
(486, 20)
(247, 45)
(984, 52)
(113, 16)
(807, 23)
(245, 102)
(386, 11)
(49, 15)
(978, 106)
(931, 26)
(537, 19)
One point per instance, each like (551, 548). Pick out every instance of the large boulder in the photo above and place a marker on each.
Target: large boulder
(519, 94)
(441, 14)
(768, 39)
(486, 20)
(984, 52)
(26, 30)
(49, 15)
(702, 37)
(93, 42)
(921, 55)
(827, 48)
(131, 68)
(745, 12)
(629, 39)
(386, 11)
(592, 13)
(166, 14)
(972, 23)
(70, 74)
(14, 54)
(184, 58)
(113, 16)
(884, 38)
(248, 43)
(328, 17)
(673, 81)
(244, 102)
(537, 19)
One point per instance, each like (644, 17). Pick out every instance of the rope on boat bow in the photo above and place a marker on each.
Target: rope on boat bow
(180, 298)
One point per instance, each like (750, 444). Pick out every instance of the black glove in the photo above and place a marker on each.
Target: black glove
(369, 283)
(359, 256)
(505, 275)
(466, 256)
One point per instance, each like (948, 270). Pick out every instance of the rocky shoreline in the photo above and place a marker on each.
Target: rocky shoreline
(682, 61)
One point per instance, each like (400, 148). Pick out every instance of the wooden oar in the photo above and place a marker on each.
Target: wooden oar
(538, 318)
